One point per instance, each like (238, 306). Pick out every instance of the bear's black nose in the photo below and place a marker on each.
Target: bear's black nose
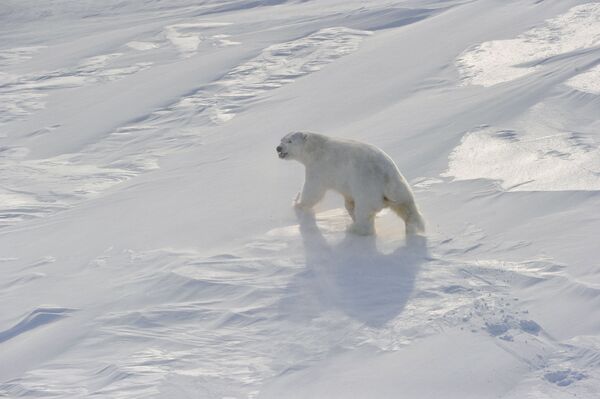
(278, 148)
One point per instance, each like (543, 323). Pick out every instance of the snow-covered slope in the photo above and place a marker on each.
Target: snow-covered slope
(148, 246)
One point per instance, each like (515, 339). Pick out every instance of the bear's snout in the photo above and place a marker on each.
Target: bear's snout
(280, 152)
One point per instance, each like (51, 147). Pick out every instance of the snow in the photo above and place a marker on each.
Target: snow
(544, 153)
(588, 81)
(499, 61)
(148, 243)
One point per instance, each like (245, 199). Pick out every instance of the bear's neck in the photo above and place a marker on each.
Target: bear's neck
(315, 147)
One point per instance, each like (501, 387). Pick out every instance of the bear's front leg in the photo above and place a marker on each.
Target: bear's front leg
(312, 193)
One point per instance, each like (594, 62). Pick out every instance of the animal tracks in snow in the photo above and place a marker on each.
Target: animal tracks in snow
(277, 304)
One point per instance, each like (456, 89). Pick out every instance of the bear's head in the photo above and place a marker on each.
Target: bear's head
(292, 145)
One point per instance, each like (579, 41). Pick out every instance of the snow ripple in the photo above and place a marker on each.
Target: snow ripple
(276, 66)
(18, 55)
(33, 188)
(21, 95)
(226, 324)
(142, 143)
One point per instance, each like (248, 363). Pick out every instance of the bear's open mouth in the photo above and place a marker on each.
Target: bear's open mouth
(282, 154)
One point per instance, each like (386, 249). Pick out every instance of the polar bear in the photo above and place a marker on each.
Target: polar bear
(367, 178)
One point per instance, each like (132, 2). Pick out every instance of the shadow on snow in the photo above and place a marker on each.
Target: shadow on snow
(353, 276)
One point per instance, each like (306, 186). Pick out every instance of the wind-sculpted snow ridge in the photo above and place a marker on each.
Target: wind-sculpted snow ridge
(224, 325)
(499, 61)
(21, 95)
(276, 66)
(35, 188)
(551, 144)
(17, 55)
(44, 186)
(542, 153)
(37, 318)
(186, 37)
(61, 10)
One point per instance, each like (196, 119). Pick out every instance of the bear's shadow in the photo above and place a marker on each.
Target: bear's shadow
(353, 276)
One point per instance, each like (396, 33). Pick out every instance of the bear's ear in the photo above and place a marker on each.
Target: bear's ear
(300, 136)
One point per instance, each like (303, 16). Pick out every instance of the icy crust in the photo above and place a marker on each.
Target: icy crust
(588, 81)
(499, 61)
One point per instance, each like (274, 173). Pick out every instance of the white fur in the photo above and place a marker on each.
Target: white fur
(366, 176)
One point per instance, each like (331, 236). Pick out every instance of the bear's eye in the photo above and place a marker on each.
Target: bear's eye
(289, 141)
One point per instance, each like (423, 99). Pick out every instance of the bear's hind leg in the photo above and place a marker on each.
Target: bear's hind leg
(364, 221)
(349, 203)
(413, 220)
